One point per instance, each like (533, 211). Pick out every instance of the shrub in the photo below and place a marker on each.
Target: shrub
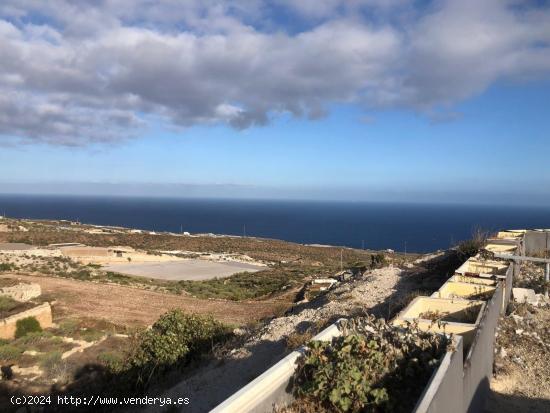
(173, 340)
(34, 337)
(91, 335)
(295, 340)
(244, 285)
(9, 352)
(26, 325)
(55, 367)
(112, 360)
(378, 260)
(69, 326)
(6, 266)
(7, 303)
(372, 367)
(471, 247)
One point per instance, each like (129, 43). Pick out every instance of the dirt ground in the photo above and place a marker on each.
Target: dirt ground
(134, 307)
(522, 363)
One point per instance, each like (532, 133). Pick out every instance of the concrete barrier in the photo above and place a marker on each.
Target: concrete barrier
(454, 289)
(517, 242)
(508, 281)
(478, 364)
(482, 268)
(502, 248)
(536, 242)
(444, 390)
(271, 388)
(457, 309)
(43, 313)
(473, 280)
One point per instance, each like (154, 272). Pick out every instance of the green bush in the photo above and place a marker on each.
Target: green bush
(372, 367)
(9, 352)
(7, 303)
(174, 339)
(91, 335)
(6, 266)
(112, 360)
(244, 285)
(48, 361)
(69, 326)
(26, 325)
(55, 367)
(378, 260)
(34, 337)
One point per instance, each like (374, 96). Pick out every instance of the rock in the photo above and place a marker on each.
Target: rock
(522, 295)
(239, 331)
(503, 353)
(519, 331)
(517, 318)
(22, 291)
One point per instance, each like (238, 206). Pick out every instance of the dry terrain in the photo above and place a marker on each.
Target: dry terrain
(131, 306)
(522, 362)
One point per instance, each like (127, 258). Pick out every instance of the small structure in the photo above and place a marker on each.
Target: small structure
(42, 313)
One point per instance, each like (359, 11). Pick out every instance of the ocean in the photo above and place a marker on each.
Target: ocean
(399, 226)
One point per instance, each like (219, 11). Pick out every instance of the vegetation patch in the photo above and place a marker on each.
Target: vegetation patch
(471, 247)
(26, 325)
(85, 328)
(7, 304)
(6, 266)
(9, 352)
(372, 367)
(173, 341)
(247, 285)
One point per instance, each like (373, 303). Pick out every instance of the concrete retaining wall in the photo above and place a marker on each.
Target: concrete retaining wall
(43, 313)
(536, 241)
(271, 388)
(444, 390)
(511, 273)
(478, 365)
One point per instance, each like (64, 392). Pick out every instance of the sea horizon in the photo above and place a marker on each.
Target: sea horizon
(377, 225)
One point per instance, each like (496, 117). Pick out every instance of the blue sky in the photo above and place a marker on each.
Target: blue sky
(398, 114)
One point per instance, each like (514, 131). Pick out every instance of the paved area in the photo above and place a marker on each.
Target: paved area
(193, 270)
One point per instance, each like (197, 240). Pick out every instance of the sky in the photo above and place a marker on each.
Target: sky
(425, 101)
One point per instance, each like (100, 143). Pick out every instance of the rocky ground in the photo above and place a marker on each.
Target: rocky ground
(380, 292)
(522, 362)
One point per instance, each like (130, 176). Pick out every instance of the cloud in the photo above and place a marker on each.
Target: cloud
(73, 73)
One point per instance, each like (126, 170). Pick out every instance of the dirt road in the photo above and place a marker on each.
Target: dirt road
(132, 306)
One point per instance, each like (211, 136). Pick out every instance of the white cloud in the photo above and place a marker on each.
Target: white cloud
(95, 71)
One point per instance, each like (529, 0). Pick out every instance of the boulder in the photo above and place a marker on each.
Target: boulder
(522, 295)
